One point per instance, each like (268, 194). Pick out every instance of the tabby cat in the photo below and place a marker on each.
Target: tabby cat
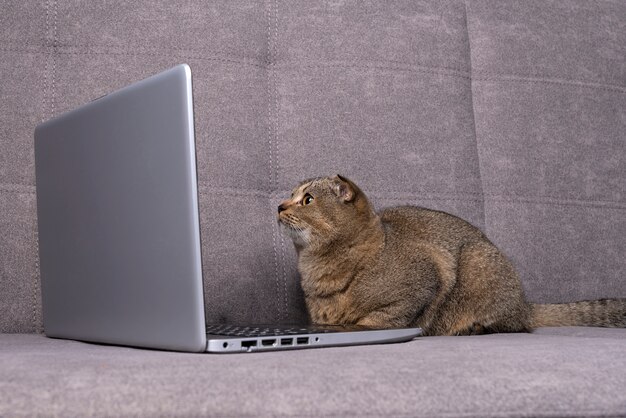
(409, 266)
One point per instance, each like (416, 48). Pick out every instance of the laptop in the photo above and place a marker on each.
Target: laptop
(119, 230)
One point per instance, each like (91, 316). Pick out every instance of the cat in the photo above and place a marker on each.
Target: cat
(410, 266)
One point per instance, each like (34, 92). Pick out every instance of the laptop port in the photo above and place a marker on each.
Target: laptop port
(286, 341)
(302, 340)
(269, 343)
(248, 344)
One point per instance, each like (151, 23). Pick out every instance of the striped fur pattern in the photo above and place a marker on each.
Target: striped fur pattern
(591, 313)
(410, 266)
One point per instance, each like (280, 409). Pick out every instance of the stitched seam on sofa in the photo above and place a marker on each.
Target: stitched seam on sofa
(164, 48)
(471, 87)
(369, 63)
(440, 56)
(46, 68)
(293, 66)
(138, 53)
(559, 81)
(406, 67)
(205, 188)
(422, 194)
(286, 192)
(37, 327)
(244, 59)
(283, 259)
(408, 197)
(46, 87)
(557, 202)
(36, 272)
(426, 195)
(510, 199)
(279, 193)
(47, 23)
(414, 199)
(55, 51)
(284, 65)
(351, 63)
(413, 195)
(271, 133)
(398, 195)
(281, 237)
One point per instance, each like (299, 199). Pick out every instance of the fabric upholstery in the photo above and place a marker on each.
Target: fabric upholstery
(577, 373)
(549, 108)
(508, 114)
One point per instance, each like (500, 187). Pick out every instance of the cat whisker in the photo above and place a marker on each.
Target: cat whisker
(291, 226)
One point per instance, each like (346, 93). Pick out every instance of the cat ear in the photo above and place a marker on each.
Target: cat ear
(344, 188)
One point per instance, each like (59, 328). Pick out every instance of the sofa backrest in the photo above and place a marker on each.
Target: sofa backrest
(509, 114)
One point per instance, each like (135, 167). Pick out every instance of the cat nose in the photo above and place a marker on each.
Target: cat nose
(281, 207)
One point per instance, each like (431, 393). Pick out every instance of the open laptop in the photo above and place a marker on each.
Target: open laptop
(119, 231)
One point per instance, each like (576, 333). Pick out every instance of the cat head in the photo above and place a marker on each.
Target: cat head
(323, 210)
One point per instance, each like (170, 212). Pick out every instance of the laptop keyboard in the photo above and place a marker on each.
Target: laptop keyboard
(265, 331)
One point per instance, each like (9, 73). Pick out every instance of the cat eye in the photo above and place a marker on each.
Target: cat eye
(307, 199)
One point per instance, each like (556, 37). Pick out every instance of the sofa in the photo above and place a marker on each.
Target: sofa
(509, 114)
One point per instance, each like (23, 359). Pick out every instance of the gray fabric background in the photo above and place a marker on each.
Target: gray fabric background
(509, 114)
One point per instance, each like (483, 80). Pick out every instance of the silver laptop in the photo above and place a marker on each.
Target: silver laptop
(119, 232)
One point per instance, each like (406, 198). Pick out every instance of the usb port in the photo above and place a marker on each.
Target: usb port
(286, 341)
(268, 343)
(302, 340)
(248, 344)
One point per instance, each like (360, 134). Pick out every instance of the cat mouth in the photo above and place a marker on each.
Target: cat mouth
(298, 234)
(288, 220)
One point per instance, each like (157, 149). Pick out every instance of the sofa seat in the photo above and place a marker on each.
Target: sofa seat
(552, 372)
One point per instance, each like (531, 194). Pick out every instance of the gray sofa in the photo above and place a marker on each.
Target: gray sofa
(510, 114)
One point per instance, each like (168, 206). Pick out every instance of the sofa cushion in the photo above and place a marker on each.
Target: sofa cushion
(549, 107)
(508, 114)
(570, 372)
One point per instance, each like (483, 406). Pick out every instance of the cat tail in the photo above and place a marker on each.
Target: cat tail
(590, 313)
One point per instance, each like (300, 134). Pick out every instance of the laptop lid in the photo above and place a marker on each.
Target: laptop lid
(117, 207)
